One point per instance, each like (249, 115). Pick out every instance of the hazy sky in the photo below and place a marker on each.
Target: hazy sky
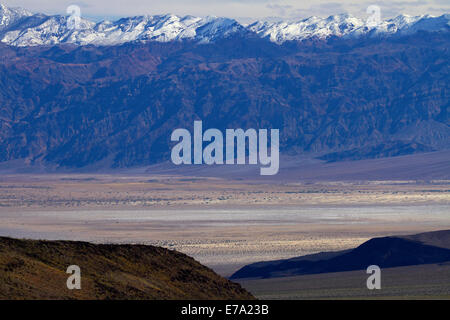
(243, 10)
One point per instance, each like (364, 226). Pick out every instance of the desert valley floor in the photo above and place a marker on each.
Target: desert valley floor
(223, 223)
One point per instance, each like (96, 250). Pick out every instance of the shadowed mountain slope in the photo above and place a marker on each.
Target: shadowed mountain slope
(32, 269)
(437, 238)
(386, 252)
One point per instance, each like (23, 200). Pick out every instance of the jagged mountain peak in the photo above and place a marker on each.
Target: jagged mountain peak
(9, 16)
(279, 32)
(19, 27)
(40, 29)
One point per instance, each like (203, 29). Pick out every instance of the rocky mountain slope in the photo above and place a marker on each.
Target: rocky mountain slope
(37, 270)
(116, 106)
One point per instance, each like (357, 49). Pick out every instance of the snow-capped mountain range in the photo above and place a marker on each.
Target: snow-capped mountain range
(19, 27)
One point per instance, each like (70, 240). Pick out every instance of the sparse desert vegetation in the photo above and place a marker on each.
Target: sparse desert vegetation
(88, 191)
(37, 270)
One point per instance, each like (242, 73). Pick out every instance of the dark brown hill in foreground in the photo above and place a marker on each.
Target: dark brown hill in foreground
(32, 269)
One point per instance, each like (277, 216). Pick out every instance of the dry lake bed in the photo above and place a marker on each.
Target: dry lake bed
(224, 224)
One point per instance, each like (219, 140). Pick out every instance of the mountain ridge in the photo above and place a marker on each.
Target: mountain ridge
(36, 269)
(385, 252)
(19, 27)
